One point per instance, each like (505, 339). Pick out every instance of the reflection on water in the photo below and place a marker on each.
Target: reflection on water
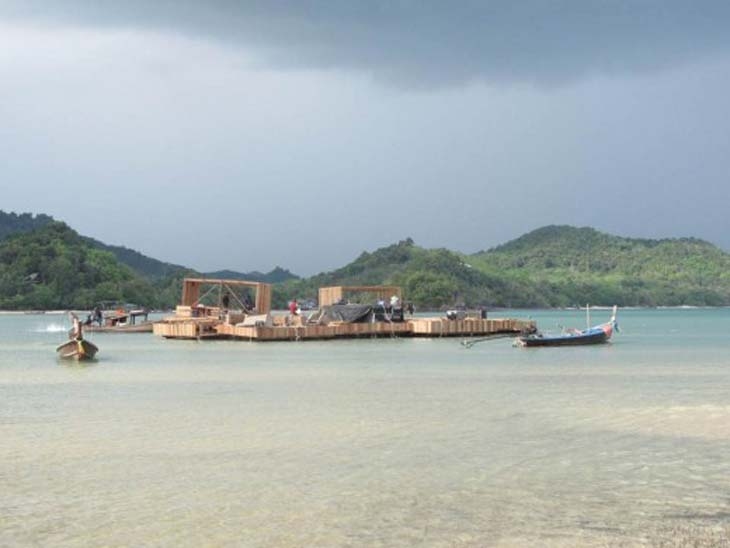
(370, 443)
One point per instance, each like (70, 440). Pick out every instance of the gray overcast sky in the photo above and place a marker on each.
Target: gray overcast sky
(244, 135)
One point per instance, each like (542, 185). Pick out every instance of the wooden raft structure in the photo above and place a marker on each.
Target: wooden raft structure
(218, 320)
(415, 327)
(195, 320)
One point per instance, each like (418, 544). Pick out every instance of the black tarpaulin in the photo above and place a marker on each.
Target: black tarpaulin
(347, 313)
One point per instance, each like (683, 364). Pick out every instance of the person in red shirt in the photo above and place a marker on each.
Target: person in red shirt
(293, 307)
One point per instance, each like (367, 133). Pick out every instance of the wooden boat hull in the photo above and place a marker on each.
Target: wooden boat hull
(564, 340)
(77, 350)
(136, 328)
(595, 335)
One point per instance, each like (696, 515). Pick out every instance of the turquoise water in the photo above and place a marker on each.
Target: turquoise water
(395, 442)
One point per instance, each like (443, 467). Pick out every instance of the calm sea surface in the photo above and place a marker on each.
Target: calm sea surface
(395, 442)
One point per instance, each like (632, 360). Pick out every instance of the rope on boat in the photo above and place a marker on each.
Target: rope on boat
(471, 342)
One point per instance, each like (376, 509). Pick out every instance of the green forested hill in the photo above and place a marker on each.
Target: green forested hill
(551, 266)
(429, 277)
(14, 223)
(142, 264)
(156, 271)
(53, 267)
(44, 265)
(47, 265)
(568, 266)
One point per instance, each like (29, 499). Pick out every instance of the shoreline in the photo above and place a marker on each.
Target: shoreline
(32, 312)
(61, 312)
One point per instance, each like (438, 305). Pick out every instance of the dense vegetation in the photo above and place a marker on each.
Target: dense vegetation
(568, 266)
(53, 267)
(46, 265)
(142, 264)
(554, 266)
(14, 223)
(429, 277)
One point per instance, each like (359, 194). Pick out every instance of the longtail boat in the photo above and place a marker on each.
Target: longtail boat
(76, 348)
(597, 334)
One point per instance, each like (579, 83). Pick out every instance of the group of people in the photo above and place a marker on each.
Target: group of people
(95, 317)
(395, 304)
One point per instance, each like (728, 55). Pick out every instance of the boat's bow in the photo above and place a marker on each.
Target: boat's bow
(77, 349)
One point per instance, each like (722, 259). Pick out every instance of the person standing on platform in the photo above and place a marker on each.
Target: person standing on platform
(98, 316)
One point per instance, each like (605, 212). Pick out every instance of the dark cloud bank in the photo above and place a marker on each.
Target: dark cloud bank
(422, 43)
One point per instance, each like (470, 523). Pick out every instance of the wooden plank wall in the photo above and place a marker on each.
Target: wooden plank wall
(186, 328)
(283, 333)
(331, 295)
(190, 293)
(263, 298)
(176, 330)
(467, 327)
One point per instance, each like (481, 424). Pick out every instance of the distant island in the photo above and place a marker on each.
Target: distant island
(45, 264)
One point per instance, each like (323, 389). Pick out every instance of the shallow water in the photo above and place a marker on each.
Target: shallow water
(395, 442)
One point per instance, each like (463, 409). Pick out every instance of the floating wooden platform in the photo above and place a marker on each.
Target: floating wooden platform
(207, 328)
(195, 320)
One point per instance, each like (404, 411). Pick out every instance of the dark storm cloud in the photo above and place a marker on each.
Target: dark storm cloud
(422, 43)
(149, 109)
